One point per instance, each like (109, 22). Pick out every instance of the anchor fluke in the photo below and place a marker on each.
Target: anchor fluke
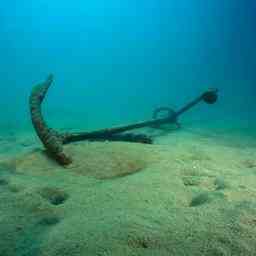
(51, 139)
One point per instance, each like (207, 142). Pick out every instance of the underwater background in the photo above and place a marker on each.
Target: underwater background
(190, 190)
(115, 61)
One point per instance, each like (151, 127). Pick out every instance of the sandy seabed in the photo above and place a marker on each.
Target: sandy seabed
(193, 192)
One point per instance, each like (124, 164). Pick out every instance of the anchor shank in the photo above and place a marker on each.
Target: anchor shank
(208, 96)
(107, 133)
(189, 106)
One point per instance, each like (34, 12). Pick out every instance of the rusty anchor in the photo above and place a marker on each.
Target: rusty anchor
(53, 141)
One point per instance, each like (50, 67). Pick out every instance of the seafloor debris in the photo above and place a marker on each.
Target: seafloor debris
(53, 141)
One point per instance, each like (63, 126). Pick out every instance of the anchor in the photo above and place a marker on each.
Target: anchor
(53, 140)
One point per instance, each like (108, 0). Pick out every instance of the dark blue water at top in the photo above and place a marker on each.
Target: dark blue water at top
(115, 61)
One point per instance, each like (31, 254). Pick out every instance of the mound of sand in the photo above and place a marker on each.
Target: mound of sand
(187, 197)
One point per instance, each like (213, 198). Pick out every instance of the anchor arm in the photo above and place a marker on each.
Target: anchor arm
(51, 139)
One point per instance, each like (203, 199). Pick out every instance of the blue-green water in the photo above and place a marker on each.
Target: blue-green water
(192, 192)
(114, 61)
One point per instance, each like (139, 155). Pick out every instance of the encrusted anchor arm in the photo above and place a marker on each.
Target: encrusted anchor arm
(50, 138)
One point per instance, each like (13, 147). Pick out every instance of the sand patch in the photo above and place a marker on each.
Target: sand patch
(185, 197)
(100, 160)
